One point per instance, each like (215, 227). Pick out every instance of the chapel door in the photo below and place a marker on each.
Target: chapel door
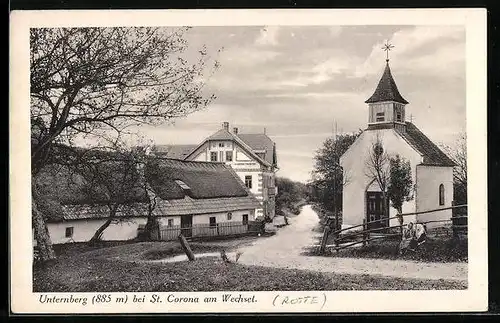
(375, 210)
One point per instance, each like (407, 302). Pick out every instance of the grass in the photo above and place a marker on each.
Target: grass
(120, 268)
(436, 250)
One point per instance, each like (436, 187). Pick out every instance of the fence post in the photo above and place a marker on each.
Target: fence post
(364, 233)
(326, 232)
(185, 246)
(454, 221)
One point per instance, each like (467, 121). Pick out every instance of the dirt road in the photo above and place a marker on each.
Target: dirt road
(284, 249)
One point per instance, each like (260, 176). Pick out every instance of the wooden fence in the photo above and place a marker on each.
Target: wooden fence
(360, 234)
(205, 230)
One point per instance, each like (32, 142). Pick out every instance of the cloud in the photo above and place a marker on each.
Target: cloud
(268, 36)
(422, 49)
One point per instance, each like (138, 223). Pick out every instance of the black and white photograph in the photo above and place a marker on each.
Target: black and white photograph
(248, 158)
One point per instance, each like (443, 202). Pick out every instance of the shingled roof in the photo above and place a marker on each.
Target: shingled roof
(432, 155)
(174, 151)
(208, 187)
(387, 89)
(260, 141)
(205, 179)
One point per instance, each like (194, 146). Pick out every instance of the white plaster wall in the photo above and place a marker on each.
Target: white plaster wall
(163, 221)
(241, 156)
(428, 180)
(83, 230)
(354, 164)
(201, 157)
(237, 216)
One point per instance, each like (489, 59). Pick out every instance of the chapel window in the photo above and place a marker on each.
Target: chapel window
(441, 194)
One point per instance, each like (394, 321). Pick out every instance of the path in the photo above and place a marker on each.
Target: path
(284, 249)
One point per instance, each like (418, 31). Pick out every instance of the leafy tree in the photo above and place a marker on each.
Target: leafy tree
(290, 194)
(95, 83)
(328, 178)
(400, 188)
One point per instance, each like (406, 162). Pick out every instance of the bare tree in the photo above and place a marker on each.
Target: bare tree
(96, 83)
(458, 153)
(377, 168)
(112, 179)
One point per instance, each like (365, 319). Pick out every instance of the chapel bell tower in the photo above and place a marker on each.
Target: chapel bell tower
(386, 106)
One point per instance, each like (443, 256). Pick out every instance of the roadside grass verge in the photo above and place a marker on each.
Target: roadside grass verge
(99, 271)
(436, 250)
(137, 251)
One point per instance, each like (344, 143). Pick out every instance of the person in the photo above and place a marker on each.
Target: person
(414, 235)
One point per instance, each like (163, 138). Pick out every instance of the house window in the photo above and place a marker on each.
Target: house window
(245, 219)
(248, 181)
(229, 156)
(213, 156)
(229, 216)
(170, 223)
(380, 116)
(221, 144)
(213, 223)
(69, 232)
(183, 185)
(441, 194)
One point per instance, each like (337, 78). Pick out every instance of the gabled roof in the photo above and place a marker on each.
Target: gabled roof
(260, 141)
(432, 155)
(387, 89)
(174, 151)
(224, 134)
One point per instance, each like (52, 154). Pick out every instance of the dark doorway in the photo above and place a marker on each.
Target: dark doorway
(375, 211)
(245, 219)
(187, 225)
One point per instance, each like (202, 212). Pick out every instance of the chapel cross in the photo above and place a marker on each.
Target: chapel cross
(387, 47)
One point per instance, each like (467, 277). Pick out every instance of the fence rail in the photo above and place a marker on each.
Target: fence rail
(458, 225)
(204, 230)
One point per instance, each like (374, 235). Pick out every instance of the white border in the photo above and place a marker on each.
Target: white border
(23, 300)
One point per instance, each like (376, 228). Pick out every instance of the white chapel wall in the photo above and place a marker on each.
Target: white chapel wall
(354, 165)
(428, 180)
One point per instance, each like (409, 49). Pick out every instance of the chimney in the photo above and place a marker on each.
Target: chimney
(225, 125)
(235, 130)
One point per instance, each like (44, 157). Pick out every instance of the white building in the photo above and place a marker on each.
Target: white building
(432, 170)
(252, 156)
(193, 198)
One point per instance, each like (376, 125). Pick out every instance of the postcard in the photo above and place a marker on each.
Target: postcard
(248, 161)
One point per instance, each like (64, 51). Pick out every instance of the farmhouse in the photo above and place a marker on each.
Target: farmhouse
(432, 170)
(188, 197)
(252, 156)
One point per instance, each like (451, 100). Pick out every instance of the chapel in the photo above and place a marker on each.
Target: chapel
(431, 168)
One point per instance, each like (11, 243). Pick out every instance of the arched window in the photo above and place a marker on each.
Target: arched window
(441, 194)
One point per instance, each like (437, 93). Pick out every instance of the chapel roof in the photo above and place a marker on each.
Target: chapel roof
(387, 89)
(431, 153)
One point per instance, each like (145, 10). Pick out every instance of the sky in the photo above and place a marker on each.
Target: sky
(297, 83)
